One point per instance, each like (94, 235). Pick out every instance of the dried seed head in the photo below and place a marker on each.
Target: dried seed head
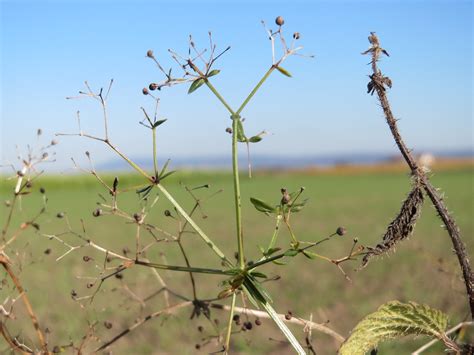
(167, 213)
(60, 215)
(341, 231)
(145, 91)
(296, 35)
(20, 174)
(47, 251)
(119, 276)
(138, 217)
(97, 212)
(286, 196)
(73, 293)
(149, 54)
(29, 184)
(248, 325)
(288, 315)
(258, 322)
(228, 130)
(107, 324)
(90, 285)
(236, 317)
(153, 86)
(86, 258)
(197, 346)
(56, 349)
(280, 21)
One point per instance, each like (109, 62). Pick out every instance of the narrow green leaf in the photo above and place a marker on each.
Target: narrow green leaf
(291, 252)
(167, 174)
(164, 168)
(284, 329)
(262, 206)
(391, 321)
(271, 251)
(159, 122)
(284, 71)
(298, 206)
(196, 85)
(258, 274)
(213, 72)
(255, 139)
(240, 132)
(308, 254)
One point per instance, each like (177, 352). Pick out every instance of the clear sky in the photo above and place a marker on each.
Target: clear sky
(48, 49)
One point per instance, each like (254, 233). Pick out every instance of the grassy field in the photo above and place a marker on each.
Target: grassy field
(423, 269)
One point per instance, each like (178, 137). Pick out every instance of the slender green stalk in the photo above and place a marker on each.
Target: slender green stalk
(184, 268)
(255, 89)
(193, 224)
(130, 162)
(155, 165)
(238, 207)
(275, 233)
(229, 324)
(219, 96)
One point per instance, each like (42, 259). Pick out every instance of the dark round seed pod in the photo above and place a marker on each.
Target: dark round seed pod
(97, 212)
(197, 346)
(145, 91)
(280, 21)
(167, 213)
(108, 325)
(341, 231)
(248, 325)
(29, 184)
(153, 86)
(45, 155)
(296, 35)
(54, 142)
(60, 215)
(236, 317)
(119, 276)
(200, 329)
(20, 174)
(47, 251)
(42, 190)
(258, 322)
(288, 315)
(90, 285)
(228, 130)
(56, 349)
(73, 293)
(138, 217)
(86, 258)
(149, 53)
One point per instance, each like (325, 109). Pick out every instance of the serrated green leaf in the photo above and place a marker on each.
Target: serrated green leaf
(284, 71)
(159, 122)
(213, 72)
(262, 206)
(196, 85)
(391, 321)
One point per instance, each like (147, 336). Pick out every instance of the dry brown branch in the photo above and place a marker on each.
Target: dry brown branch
(378, 84)
(6, 265)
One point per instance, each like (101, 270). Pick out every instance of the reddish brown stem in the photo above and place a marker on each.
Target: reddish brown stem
(378, 82)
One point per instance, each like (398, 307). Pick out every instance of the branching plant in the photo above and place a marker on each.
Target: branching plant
(238, 282)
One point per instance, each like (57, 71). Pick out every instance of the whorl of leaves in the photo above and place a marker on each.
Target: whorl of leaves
(401, 227)
(394, 320)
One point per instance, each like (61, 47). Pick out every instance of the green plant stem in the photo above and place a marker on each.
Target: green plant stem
(184, 268)
(219, 97)
(130, 162)
(193, 224)
(275, 233)
(155, 165)
(255, 89)
(229, 324)
(238, 207)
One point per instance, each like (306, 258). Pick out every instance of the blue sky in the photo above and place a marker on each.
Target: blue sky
(48, 49)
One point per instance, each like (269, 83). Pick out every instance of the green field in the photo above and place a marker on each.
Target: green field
(424, 269)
